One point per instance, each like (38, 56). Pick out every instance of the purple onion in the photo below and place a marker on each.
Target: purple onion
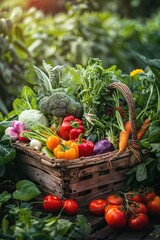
(18, 126)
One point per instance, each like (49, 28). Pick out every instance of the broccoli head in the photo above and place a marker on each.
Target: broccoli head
(60, 104)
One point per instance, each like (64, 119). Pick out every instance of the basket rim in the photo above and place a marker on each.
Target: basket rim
(82, 161)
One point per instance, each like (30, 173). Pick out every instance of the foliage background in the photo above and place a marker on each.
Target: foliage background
(113, 31)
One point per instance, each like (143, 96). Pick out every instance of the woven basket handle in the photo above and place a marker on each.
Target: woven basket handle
(134, 145)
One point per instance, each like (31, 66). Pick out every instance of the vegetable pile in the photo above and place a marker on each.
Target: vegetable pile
(131, 209)
(69, 112)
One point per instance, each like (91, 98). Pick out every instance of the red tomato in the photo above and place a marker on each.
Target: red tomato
(21, 138)
(70, 207)
(153, 206)
(138, 222)
(115, 218)
(113, 206)
(52, 203)
(97, 206)
(137, 208)
(114, 199)
(148, 196)
(133, 197)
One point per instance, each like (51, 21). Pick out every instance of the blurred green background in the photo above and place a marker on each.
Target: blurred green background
(69, 32)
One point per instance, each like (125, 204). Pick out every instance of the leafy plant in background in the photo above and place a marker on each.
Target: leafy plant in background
(7, 151)
(21, 220)
(69, 38)
(147, 173)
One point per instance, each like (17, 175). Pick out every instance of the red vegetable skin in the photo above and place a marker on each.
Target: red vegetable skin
(133, 197)
(114, 200)
(70, 207)
(97, 206)
(137, 208)
(85, 147)
(153, 206)
(116, 218)
(52, 203)
(148, 196)
(138, 222)
(21, 138)
(71, 128)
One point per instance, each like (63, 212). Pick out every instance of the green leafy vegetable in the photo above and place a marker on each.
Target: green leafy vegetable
(33, 117)
(26, 102)
(7, 152)
(4, 197)
(26, 190)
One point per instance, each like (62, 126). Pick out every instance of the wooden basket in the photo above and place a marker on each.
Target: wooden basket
(85, 178)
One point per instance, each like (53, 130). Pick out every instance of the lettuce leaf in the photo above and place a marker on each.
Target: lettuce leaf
(26, 102)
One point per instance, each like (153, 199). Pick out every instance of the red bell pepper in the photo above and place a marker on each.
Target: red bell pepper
(71, 128)
(85, 147)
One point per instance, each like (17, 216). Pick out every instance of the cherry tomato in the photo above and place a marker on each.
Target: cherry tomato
(137, 208)
(70, 207)
(133, 196)
(52, 203)
(148, 196)
(115, 217)
(153, 206)
(21, 138)
(138, 222)
(114, 199)
(97, 206)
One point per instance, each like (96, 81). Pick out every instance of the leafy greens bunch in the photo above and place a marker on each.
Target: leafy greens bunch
(26, 220)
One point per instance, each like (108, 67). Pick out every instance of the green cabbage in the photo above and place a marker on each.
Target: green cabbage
(33, 117)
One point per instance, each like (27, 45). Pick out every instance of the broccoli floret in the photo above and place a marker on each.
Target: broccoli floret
(60, 104)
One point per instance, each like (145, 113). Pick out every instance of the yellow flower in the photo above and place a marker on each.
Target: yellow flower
(136, 71)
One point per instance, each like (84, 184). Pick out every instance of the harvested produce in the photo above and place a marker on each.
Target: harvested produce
(12, 133)
(33, 117)
(52, 203)
(138, 222)
(35, 144)
(15, 130)
(85, 147)
(153, 206)
(114, 199)
(71, 128)
(116, 217)
(133, 196)
(52, 142)
(70, 207)
(67, 150)
(143, 128)
(21, 138)
(97, 206)
(102, 146)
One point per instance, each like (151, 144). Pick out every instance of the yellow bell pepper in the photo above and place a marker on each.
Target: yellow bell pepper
(67, 150)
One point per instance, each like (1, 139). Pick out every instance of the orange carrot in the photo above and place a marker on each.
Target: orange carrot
(127, 127)
(123, 140)
(143, 128)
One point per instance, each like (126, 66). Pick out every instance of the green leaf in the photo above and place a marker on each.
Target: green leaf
(40, 80)
(2, 167)
(7, 152)
(26, 191)
(19, 32)
(5, 224)
(63, 226)
(151, 62)
(4, 197)
(141, 173)
(26, 102)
